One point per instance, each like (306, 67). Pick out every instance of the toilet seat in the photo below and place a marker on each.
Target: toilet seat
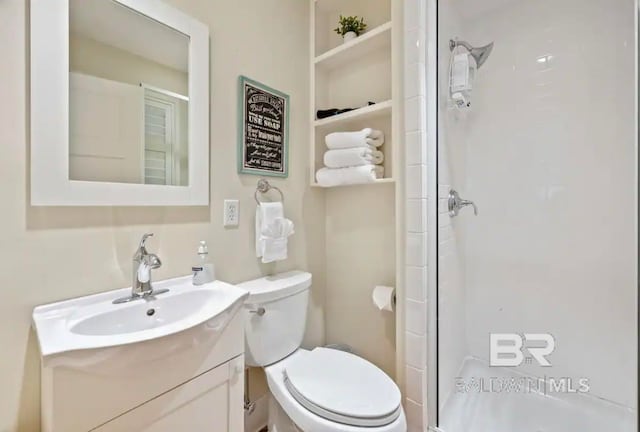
(344, 388)
(307, 386)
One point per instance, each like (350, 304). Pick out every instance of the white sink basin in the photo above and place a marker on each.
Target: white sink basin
(92, 322)
(165, 311)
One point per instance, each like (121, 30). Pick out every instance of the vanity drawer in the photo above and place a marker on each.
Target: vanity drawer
(209, 402)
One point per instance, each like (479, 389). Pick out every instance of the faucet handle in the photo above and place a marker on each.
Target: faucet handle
(144, 240)
(455, 203)
(464, 203)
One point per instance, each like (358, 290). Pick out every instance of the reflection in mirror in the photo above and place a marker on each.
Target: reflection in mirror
(128, 97)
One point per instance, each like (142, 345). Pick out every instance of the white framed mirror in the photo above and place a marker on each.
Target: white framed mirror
(119, 104)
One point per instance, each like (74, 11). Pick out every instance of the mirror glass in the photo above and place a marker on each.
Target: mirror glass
(128, 96)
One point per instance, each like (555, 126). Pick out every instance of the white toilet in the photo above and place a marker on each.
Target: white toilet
(322, 390)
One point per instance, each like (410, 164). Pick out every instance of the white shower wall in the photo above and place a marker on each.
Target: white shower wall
(548, 152)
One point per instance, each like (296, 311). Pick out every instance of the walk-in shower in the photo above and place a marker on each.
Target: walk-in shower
(535, 323)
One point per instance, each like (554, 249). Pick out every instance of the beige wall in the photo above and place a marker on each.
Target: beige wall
(360, 255)
(360, 220)
(48, 254)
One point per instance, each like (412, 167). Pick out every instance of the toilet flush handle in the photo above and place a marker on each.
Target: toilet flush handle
(260, 311)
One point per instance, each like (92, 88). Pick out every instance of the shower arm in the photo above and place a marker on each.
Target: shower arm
(456, 43)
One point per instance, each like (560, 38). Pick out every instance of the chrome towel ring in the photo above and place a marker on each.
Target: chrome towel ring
(263, 187)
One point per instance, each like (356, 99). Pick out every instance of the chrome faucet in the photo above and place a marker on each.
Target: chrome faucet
(143, 263)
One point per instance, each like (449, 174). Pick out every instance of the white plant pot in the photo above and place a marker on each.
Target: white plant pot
(349, 36)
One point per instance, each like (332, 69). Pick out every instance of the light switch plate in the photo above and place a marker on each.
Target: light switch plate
(231, 212)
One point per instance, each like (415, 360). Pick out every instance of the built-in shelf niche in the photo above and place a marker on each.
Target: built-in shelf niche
(377, 119)
(327, 13)
(367, 78)
(376, 39)
(361, 114)
(351, 75)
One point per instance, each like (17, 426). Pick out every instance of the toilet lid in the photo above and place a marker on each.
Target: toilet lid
(344, 388)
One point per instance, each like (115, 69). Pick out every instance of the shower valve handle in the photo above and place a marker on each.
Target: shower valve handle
(456, 203)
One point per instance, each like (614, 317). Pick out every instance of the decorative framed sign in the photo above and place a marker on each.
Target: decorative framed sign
(263, 132)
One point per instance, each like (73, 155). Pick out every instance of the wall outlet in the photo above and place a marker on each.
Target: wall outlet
(231, 212)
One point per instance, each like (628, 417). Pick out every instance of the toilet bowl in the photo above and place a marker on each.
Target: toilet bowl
(321, 390)
(319, 407)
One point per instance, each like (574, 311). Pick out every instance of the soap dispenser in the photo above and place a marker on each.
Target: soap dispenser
(203, 270)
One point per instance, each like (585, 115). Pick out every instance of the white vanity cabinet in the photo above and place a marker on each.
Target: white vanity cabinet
(209, 402)
(191, 380)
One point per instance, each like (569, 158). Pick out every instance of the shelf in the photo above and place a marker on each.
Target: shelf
(363, 113)
(377, 182)
(373, 40)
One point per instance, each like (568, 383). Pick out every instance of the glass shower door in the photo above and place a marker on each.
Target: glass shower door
(537, 292)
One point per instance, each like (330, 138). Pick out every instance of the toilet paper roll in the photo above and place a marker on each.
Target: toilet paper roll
(384, 297)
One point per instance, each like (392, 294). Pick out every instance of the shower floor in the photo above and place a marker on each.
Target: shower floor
(474, 411)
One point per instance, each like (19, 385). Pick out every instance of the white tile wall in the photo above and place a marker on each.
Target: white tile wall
(416, 181)
(416, 214)
(416, 249)
(413, 411)
(413, 113)
(414, 45)
(416, 283)
(415, 350)
(413, 84)
(414, 14)
(415, 378)
(415, 152)
(415, 317)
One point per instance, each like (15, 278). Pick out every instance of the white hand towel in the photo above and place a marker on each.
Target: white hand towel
(363, 138)
(275, 238)
(266, 213)
(330, 177)
(352, 157)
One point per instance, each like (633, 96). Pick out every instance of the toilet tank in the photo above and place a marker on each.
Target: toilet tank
(275, 316)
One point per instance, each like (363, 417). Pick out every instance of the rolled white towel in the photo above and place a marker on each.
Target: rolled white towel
(355, 156)
(365, 137)
(330, 177)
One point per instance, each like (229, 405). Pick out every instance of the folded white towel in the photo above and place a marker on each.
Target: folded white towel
(365, 137)
(275, 238)
(266, 214)
(355, 156)
(329, 177)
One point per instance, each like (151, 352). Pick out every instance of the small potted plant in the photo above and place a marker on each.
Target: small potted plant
(350, 27)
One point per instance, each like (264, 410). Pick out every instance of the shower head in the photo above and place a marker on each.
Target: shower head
(480, 54)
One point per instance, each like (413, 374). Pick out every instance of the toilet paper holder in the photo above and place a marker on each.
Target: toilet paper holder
(384, 298)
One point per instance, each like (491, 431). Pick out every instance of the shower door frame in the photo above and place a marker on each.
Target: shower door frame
(434, 194)
(432, 190)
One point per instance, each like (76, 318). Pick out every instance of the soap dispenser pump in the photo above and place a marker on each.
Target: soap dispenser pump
(203, 271)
